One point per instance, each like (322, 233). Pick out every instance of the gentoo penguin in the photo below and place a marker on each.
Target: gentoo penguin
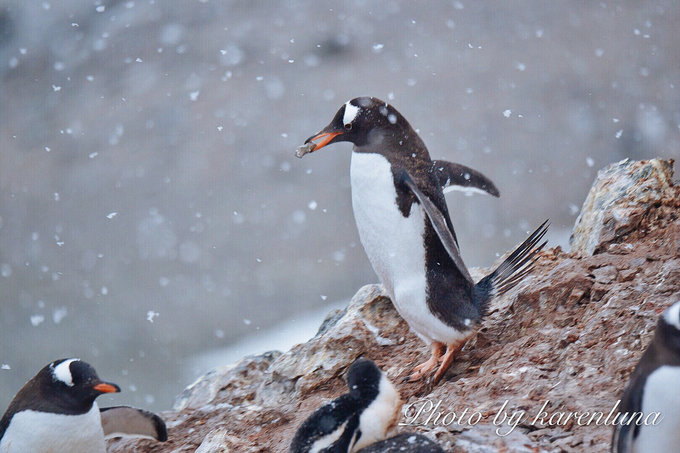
(354, 420)
(404, 443)
(653, 387)
(56, 411)
(404, 226)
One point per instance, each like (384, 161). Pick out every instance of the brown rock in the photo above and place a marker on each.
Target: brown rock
(622, 195)
(564, 341)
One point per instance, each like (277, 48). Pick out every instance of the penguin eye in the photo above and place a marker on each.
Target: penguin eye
(348, 126)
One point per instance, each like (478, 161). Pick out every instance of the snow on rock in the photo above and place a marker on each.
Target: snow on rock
(622, 195)
(570, 335)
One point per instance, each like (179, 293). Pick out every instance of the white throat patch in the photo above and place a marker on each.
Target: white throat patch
(62, 372)
(672, 315)
(351, 112)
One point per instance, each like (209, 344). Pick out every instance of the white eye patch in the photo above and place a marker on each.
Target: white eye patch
(351, 112)
(672, 315)
(62, 372)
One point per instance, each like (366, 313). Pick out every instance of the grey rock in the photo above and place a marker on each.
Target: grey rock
(368, 321)
(404, 443)
(617, 202)
(206, 389)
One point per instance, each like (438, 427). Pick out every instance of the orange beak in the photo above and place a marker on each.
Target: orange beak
(327, 137)
(310, 146)
(105, 387)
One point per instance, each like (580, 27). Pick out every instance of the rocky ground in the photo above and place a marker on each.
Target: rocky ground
(567, 337)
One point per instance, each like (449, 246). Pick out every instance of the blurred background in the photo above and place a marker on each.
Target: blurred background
(154, 220)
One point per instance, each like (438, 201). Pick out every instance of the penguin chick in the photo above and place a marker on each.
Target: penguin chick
(56, 411)
(653, 387)
(354, 420)
(405, 228)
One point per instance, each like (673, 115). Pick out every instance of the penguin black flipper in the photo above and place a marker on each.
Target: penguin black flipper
(453, 176)
(125, 421)
(631, 401)
(438, 221)
(325, 427)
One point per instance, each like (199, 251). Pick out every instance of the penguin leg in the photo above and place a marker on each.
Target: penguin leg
(451, 351)
(427, 367)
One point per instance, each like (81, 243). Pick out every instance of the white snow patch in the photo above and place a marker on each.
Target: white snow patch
(59, 314)
(382, 341)
(151, 315)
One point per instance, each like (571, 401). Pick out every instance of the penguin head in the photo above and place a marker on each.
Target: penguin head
(668, 328)
(363, 380)
(74, 382)
(361, 121)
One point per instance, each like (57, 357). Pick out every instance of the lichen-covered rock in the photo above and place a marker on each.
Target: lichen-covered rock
(563, 341)
(622, 195)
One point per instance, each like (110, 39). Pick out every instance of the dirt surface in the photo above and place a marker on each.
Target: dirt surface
(567, 337)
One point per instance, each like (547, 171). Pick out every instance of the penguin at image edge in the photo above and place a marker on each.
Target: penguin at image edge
(56, 411)
(653, 387)
(354, 420)
(405, 228)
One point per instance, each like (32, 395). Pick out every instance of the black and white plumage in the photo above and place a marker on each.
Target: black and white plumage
(353, 420)
(404, 226)
(653, 387)
(56, 411)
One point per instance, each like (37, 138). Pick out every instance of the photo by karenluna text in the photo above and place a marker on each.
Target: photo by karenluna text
(427, 412)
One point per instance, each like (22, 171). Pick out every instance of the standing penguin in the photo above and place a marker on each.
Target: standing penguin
(653, 387)
(353, 420)
(405, 228)
(56, 411)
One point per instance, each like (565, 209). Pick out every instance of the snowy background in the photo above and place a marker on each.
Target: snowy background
(152, 211)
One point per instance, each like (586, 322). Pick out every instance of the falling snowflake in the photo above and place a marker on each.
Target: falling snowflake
(151, 315)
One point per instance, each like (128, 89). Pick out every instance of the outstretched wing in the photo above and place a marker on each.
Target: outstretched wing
(125, 421)
(438, 222)
(454, 176)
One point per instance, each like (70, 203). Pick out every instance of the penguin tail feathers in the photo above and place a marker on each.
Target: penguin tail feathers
(511, 271)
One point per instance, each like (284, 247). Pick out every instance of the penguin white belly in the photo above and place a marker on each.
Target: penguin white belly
(45, 432)
(395, 244)
(660, 395)
(380, 416)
